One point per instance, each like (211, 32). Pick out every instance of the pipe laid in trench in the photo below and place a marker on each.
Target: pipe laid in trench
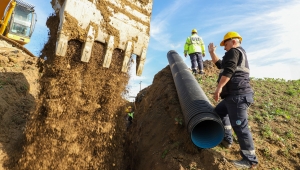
(203, 124)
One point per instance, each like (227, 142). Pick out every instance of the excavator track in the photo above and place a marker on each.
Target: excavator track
(16, 44)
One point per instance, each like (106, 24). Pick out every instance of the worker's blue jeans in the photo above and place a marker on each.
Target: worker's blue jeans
(196, 59)
(233, 112)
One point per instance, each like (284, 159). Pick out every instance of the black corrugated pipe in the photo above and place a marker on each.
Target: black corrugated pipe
(204, 125)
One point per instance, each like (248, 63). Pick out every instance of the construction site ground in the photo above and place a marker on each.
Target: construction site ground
(61, 113)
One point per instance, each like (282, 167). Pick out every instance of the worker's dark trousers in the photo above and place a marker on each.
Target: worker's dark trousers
(129, 121)
(196, 59)
(233, 112)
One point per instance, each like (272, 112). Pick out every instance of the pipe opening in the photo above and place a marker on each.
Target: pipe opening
(207, 134)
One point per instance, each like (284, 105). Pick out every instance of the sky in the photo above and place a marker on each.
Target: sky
(270, 31)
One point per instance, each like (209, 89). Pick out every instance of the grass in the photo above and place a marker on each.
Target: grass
(165, 152)
(1, 84)
(178, 121)
(290, 134)
(266, 131)
(23, 88)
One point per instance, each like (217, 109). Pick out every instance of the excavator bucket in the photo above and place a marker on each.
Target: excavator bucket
(122, 24)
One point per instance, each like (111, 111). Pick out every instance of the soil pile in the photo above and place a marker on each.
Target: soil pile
(19, 88)
(159, 138)
(75, 122)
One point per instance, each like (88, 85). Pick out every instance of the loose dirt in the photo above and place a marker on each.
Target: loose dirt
(74, 125)
(19, 88)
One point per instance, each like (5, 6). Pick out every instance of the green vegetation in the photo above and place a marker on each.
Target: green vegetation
(178, 121)
(165, 152)
(267, 131)
(22, 88)
(1, 84)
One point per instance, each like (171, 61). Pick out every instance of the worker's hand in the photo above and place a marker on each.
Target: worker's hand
(211, 47)
(217, 94)
(203, 54)
(185, 54)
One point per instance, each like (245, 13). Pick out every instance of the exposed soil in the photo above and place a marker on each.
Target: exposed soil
(19, 88)
(74, 125)
(159, 139)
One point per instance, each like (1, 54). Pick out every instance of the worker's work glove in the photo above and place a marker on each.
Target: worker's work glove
(185, 54)
(211, 48)
(203, 54)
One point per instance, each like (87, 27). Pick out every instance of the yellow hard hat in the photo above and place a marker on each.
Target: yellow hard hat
(194, 31)
(231, 35)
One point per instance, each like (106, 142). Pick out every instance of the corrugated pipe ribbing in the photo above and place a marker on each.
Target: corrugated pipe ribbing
(203, 124)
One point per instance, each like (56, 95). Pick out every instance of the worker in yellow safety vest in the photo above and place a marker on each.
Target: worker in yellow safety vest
(129, 116)
(194, 46)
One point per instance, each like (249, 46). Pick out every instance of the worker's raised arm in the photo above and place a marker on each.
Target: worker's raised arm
(213, 55)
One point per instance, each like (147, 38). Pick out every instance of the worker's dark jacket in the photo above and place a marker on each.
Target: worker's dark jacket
(235, 66)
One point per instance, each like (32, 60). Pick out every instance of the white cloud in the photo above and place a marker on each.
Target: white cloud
(277, 70)
(278, 55)
(270, 36)
(160, 24)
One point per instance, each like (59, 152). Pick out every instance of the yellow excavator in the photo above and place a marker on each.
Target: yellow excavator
(18, 20)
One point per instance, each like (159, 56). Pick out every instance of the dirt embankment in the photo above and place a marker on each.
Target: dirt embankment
(19, 88)
(159, 138)
(76, 123)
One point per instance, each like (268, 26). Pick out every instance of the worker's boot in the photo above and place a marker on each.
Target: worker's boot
(194, 71)
(226, 144)
(245, 164)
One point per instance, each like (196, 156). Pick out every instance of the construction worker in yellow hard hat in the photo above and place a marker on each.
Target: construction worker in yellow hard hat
(129, 116)
(235, 90)
(229, 36)
(194, 47)
(128, 109)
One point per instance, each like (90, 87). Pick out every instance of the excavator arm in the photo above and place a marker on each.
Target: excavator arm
(122, 24)
(5, 15)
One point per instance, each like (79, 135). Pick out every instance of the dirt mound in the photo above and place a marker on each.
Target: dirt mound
(18, 90)
(75, 125)
(159, 138)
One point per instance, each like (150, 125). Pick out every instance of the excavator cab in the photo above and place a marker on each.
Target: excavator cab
(122, 24)
(19, 21)
(22, 23)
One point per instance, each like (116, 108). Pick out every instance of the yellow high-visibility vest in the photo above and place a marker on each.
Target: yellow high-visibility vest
(193, 44)
(131, 114)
